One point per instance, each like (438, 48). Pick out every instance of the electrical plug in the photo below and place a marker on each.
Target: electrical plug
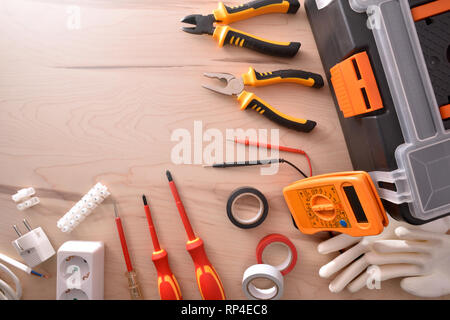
(34, 246)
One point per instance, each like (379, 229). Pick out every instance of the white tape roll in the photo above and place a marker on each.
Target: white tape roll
(263, 271)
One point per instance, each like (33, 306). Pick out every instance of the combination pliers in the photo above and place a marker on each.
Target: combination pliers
(235, 86)
(224, 15)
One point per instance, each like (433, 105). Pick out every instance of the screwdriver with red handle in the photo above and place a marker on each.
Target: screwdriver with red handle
(167, 283)
(208, 280)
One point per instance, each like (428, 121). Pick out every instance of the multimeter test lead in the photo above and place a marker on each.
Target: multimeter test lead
(133, 284)
(21, 266)
(258, 144)
(254, 163)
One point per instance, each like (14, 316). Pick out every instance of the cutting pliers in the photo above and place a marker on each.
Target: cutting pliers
(235, 86)
(224, 15)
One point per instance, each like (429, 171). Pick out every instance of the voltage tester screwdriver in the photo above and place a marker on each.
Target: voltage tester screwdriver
(168, 287)
(133, 285)
(208, 281)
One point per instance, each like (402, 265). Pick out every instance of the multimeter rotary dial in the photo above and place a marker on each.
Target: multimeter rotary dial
(324, 207)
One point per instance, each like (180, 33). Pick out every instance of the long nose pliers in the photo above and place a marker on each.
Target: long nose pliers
(224, 15)
(235, 86)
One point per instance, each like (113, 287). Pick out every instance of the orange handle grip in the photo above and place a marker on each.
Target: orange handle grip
(226, 15)
(167, 283)
(208, 280)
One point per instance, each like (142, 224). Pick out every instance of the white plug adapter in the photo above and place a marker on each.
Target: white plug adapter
(34, 246)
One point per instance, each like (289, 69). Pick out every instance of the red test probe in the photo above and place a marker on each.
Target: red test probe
(168, 287)
(208, 281)
(133, 285)
(258, 144)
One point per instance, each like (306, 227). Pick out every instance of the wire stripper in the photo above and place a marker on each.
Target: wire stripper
(224, 15)
(235, 86)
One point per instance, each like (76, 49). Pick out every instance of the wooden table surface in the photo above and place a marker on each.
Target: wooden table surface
(97, 99)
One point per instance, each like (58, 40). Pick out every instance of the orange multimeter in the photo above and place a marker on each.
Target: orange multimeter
(345, 202)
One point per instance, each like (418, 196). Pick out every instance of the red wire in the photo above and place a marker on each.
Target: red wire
(123, 242)
(309, 164)
(258, 144)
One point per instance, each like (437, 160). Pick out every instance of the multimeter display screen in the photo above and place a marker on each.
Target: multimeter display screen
(353, 199)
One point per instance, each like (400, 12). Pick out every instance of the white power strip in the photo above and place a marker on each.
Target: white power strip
(80, 270)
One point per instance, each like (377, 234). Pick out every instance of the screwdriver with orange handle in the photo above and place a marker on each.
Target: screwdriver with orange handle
(167, 283)
(208, 280)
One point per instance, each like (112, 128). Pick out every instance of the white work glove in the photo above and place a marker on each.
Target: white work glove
(428, 274)
(364, 246)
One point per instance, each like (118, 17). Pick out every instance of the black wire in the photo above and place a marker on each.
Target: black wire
(292, 165)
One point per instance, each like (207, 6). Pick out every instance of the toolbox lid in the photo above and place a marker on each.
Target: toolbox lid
(423, 176)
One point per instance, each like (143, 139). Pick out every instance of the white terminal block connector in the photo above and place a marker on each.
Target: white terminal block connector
(28, 203)
(80, 271)
(23, 194)
(34, 246)
(24, 197)
(83, 208)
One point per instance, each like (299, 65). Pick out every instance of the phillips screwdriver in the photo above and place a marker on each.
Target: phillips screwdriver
(168, 287)
(133, 285)
(208, 281)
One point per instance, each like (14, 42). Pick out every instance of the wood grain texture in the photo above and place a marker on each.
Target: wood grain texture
(99, 103)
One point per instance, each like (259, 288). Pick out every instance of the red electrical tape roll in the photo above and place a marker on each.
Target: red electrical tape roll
(290, 261)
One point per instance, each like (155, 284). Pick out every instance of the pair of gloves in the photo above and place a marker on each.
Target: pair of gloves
(419, 254)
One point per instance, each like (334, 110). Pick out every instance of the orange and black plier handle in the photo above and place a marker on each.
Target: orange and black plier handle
(224, 34)
(248, 100)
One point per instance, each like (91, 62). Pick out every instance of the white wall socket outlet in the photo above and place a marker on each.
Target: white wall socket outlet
(80, 270)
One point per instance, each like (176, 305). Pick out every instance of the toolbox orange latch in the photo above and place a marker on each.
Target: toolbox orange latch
(445, 111)
(355, 86)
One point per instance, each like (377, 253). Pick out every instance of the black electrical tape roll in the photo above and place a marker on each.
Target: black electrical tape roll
(260, 216)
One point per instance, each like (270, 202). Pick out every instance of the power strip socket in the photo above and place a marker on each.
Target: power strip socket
(80, 271)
